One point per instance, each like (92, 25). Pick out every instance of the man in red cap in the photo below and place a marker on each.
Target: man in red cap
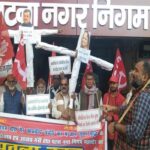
(114, 98)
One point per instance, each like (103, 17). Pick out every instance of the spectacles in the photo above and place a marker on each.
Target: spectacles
(64, 84)
(13, 81)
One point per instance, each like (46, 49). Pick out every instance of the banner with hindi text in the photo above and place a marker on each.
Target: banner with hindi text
(23, 132)
(103, 18)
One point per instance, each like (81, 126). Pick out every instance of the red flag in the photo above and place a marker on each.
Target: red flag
(50, 81)
(19, 66)
(88, 69)
(6, 48)
(119, 71)
(53, 53)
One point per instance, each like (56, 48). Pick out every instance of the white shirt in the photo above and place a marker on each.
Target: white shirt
(65, 101)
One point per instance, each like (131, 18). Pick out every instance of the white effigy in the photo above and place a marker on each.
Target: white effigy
(65, 51)
(35, 36)
(41, 32)
(77, 62)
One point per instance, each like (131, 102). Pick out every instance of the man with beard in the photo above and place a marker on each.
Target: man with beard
(114, 98)
(54, 89)
(13, 99)
(61, 109)
(90, 96)
(134, 127)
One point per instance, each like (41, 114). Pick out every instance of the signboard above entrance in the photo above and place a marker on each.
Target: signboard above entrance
(100, 17)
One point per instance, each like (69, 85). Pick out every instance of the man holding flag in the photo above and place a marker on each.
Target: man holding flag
(133, 126)
(13, 99)
(113, 97)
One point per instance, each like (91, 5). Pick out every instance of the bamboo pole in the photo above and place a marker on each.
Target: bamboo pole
(132, 102)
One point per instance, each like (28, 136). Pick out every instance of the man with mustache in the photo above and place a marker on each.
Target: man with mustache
(134, 128)
(114, 98)
(61, 109)
(13, 99)
(90, 97)
(27, 18)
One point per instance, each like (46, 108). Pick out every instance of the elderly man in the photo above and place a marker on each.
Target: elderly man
(90, 96)
(13, 99)
(41, 86)
(134, 126)
(54, 89)
(41, 89)
(61, 109)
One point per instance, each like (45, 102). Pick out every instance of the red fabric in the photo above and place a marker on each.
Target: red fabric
(6, 69)
(88, 69)
(50, 81)
(53, 53)
(6, 48)
(19, 66)
(113, 101)
(114, 79)
(119, 71)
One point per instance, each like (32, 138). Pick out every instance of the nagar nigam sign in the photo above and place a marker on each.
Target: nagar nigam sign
(101, 17)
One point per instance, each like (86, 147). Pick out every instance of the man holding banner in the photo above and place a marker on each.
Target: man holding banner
(41, 89)
(62, 107)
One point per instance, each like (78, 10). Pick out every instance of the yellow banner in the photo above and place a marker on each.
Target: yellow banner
(9, 146)
(58, 148)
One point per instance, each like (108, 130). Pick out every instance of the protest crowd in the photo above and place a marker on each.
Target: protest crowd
(127, 115)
